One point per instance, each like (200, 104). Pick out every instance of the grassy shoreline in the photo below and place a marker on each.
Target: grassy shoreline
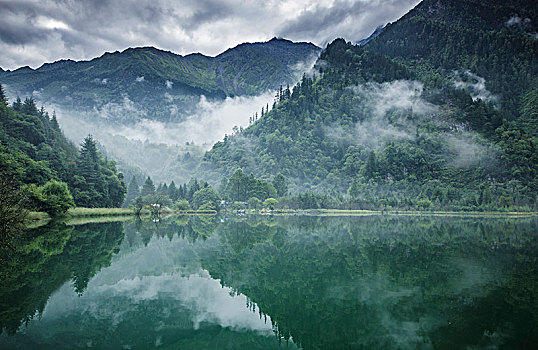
(87, 212)
(84, 215)
(345, 212)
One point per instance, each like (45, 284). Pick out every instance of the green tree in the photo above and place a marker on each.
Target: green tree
(254, 203)
(279, 182)
(270, 203)
(173, 191)
(207, 197)
(29, 107)
(12, 211)
(133, 190)
(53, 198)
(88, 160)
(182, 204)
(148, 187)
(17, 105)
(370, 168)
(3, 98)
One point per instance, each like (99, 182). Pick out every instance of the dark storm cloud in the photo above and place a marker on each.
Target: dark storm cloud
(33, 32)
(347, 19)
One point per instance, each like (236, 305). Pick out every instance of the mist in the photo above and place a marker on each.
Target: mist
(383, 111)
(394, 110)
(475, 85)
(212, 120)
(470, 149)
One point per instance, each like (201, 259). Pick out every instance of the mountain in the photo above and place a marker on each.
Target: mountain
(154, 84)
(438, 110)
(374, 35)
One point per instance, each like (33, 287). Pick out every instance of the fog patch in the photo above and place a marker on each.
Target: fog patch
(169, 98)
(306, 66)
(398, 95)
(369, 133)
(37, 93)
(165, 274)
(103, 81)
(476, 86)
(203, 296)
(515, 20)
(381, 297)
(211, 121)
(469, 149)
(115, 111)
(385, 112)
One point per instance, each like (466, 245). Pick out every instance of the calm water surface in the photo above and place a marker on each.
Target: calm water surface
(266, 283)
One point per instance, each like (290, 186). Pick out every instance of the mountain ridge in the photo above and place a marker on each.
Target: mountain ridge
(155, 80)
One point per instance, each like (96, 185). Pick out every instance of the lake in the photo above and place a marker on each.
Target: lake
(262, 282)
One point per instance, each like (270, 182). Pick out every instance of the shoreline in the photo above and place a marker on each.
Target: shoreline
(88, 215)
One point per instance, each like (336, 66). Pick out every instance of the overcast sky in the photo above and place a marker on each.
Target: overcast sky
(37, 31)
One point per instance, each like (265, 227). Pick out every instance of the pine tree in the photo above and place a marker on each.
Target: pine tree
(370, 168)
(88, 160)
(279, 182)
(3, 98)
(29, 107)
(148, 187)
(17, 105)
(54, 122)
(173, 191)
(133, 190)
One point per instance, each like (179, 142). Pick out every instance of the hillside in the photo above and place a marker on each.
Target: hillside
(46, 170)
(417, 115)
(150, 83)
(495, 40)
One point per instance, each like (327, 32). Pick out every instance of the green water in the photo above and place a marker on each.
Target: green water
(267, 283)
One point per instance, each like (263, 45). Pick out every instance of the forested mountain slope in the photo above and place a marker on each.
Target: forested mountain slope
(37, 160)
(418, 115)
(496, 40)
(154, 84)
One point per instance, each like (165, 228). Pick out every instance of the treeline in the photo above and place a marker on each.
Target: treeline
(50, 174)
(193, 195)
(239, 190)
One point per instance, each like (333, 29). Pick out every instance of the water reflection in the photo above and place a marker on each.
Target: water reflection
(320, 283)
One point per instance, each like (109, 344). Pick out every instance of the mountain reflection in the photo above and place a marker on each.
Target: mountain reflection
(314, 282)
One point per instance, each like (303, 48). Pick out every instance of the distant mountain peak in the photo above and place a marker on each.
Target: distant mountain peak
(380, 28)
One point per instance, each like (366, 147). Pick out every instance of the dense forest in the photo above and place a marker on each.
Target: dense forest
(410, 120)
(45, 170)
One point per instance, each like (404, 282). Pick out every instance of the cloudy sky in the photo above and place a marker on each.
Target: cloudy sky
(37, 31)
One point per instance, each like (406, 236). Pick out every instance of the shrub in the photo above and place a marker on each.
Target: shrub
(206, 195)
(182, 204)
(270, 203)
(53, 198)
